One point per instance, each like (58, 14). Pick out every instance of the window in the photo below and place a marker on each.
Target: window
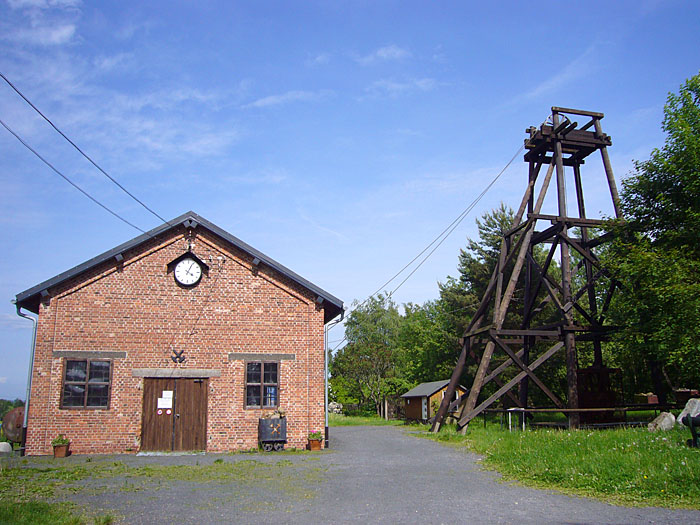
(86, 383)
(261, 385)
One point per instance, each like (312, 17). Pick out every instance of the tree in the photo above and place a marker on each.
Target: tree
(661, 200)
(368, 360)
(656, 254)
(428, 347)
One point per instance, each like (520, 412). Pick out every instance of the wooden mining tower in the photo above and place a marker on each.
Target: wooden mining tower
(557, 307)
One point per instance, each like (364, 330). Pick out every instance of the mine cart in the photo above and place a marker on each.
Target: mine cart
(272, 433)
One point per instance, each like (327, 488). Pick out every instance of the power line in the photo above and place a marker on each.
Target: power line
(93, 199)
(80, 150)
(457, 221)
(442, 236)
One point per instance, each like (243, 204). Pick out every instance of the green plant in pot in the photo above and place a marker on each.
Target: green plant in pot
(315, 440)
(61, 446)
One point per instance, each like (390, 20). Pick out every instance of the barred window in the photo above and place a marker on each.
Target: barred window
(86, 383)
(261, 385)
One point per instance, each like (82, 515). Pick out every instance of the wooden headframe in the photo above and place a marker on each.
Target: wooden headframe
(561, 146)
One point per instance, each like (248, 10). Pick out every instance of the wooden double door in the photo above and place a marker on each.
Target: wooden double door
(174, 414)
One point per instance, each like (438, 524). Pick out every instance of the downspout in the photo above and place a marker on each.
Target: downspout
(325, 378)
(326, 351)
(23, 445)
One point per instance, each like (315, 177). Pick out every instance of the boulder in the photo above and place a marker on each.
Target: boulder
(664, 421)
(5, 449)
(692, 408)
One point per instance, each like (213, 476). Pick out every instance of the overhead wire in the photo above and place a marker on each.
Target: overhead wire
(67, 179)
(442, 236)
(81, 151)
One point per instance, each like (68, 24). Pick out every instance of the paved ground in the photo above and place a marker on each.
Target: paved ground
(371, 474)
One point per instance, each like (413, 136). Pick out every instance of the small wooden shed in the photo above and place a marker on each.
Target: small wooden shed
(423, 400)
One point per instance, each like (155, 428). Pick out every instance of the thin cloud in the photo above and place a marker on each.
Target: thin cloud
(580, 67)
(318, 60)
(286, 98)
(43, 4)
(14, 322)
(383, 54)
(44, 36)
(393, 88)
(320, 227)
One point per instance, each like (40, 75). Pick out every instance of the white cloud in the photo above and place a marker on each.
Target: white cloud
(393, 88)
(43, 22)
(14, 322)
(580, 67)
(110, 63)
(386, 53)
(45, 36)
(285, 98)
(42, 4)
(318, 60)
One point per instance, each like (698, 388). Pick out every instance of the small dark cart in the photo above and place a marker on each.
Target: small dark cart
(272, 433)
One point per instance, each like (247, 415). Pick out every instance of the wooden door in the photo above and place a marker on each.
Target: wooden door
(174, 414)
(190, 424)
(157, 423)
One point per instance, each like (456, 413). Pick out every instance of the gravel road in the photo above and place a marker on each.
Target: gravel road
(370, 474)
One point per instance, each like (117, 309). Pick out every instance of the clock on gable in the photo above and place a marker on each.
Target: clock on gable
(188, 270)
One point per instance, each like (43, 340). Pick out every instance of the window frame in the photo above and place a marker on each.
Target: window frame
(262, 385)
(86, 383)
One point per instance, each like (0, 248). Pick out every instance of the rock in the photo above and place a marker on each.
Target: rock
(335, 407)
(692, 408)
(664, 421)
(5, 449)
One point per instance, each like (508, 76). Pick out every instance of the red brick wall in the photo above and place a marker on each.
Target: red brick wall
(136, 307)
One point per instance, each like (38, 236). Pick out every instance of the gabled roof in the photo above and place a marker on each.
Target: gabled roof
(29, 299)
(428, 389)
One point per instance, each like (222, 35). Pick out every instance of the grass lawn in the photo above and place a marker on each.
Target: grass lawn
(630, 466)
(38, 490)
(339, 420)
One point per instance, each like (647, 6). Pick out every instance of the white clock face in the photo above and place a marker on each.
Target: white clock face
(188, 272)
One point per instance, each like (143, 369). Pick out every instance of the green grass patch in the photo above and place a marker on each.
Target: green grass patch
(43, 513)
(339, 420)
(40, 490)
(631, 466)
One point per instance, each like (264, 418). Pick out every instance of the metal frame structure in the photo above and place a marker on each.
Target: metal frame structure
(576, 307)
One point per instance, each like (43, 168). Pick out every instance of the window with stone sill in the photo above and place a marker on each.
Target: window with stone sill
(86, 383)
(262, 384)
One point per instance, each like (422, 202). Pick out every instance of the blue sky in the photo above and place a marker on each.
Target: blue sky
(337, 137)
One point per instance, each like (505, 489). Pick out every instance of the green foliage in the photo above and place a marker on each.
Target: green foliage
(60, 440)
(369, 358)
(6, 405)
(629, 466)
(656, 254)
(428, 345)
(661, 200)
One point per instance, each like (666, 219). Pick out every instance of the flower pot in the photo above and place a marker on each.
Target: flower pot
(314, 444)
(61, 451)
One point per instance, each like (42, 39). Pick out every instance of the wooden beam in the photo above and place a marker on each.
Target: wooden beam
(471, 414)
(527, 370)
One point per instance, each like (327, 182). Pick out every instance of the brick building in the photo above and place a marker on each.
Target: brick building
(176, 340)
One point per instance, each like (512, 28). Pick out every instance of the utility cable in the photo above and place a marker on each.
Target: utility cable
(81, 151)
(444, 234)
(81, 190)
(457, 221)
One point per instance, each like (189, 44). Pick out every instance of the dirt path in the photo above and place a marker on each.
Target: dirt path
(371, 474)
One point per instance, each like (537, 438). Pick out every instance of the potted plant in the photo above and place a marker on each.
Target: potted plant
(61, 446)
(315, 440)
